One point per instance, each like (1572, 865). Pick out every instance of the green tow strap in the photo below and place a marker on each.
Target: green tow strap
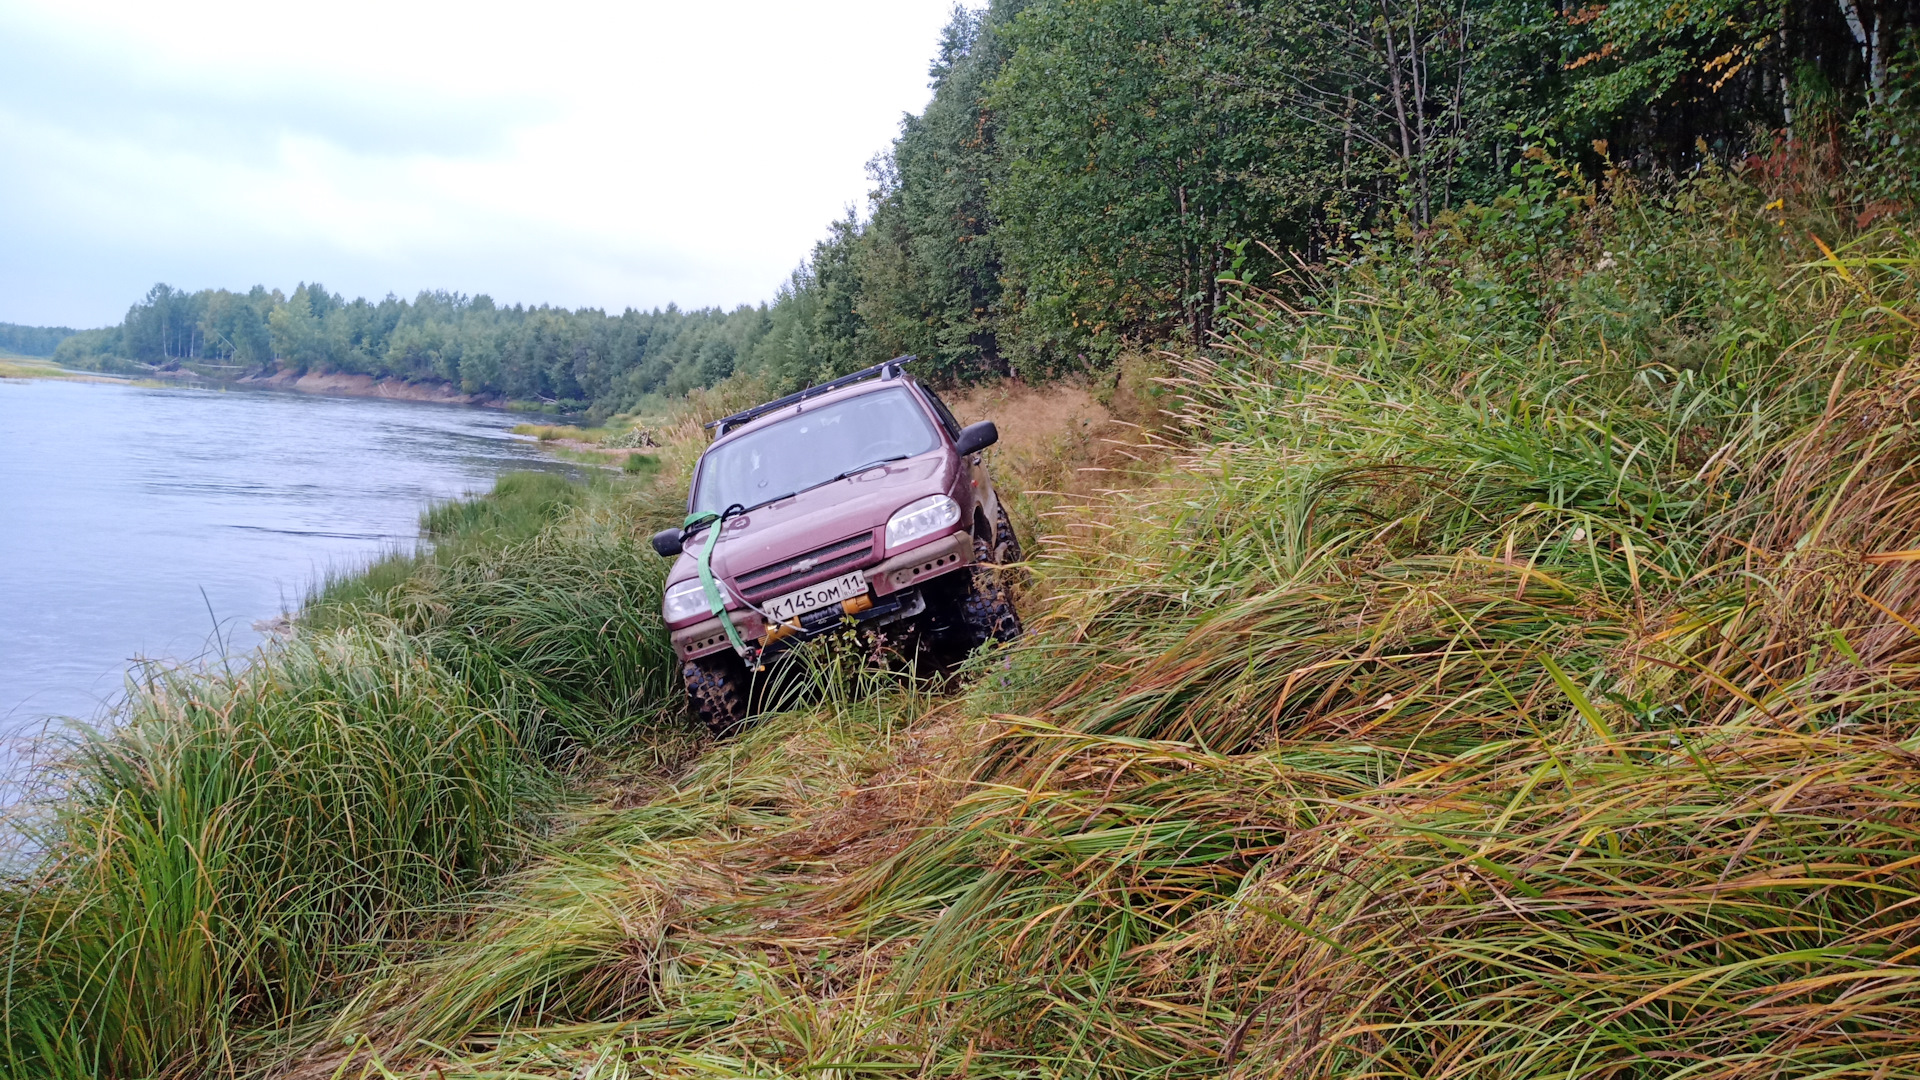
(704, 560)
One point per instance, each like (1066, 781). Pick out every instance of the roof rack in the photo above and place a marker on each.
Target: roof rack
(888, 370)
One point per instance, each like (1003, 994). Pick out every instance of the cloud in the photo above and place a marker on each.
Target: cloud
(115, 93)
(579, 154)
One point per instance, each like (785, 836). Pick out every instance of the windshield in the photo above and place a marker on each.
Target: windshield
(811, 449)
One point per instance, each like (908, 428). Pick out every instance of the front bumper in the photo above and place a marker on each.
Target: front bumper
(889, 597)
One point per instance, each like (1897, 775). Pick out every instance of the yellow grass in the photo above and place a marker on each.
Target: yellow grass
(13, 366)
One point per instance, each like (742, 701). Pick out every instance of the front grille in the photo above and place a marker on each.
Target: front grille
(835, 558)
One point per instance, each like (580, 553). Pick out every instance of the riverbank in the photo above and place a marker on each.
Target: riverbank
(1424, 688)
(347, 385)
(15, 366)
(1472, 670)
(329, 384)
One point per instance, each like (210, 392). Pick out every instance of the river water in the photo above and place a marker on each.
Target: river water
(164, 522)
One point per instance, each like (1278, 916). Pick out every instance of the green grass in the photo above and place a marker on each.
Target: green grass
(243, 842)
(1511, 675)
(541, 596)
(16, 366)
(521, 506)
(554, 432)
(240, 843)
(1491, 694)
(1505, 663)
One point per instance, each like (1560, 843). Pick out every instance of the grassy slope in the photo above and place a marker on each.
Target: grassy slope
(247, 841)
(1515, 676)
(1506, 667)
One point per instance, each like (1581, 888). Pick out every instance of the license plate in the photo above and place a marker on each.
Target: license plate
(816, 596)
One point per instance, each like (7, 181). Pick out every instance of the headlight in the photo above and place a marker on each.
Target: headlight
(686, 600)
(921, 518)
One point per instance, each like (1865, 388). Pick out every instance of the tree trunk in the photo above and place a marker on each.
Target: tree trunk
(1866, 28)
(1398, 86)
(1186, 267)
(1416, 65)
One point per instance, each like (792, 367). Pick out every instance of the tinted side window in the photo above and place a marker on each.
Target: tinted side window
(945, 414)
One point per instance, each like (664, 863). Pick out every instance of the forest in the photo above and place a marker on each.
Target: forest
(542, 357)
(31, 340)
(1094, 174)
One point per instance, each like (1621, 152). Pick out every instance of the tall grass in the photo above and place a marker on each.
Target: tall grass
(1511, 669)
(1485, 701)
(241, 844)
(539, 595)
(521, 506)
(1514, 673)
(563, 631)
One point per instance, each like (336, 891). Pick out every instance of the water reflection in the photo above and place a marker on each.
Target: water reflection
(164, 522)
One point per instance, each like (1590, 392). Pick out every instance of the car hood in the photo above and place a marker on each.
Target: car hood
(796, 525)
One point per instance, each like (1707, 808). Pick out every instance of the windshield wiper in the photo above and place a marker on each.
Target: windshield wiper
(869, 465)
(732, 512)
(831, 479)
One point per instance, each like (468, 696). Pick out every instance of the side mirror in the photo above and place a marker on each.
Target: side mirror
(667, 543)
(976, 437)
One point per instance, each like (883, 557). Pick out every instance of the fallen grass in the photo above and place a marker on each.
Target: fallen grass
(1499, 657)
(1517, 688)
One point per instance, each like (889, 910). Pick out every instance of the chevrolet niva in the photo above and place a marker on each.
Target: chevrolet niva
(857, 503)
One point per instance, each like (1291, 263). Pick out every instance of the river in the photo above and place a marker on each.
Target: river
(164, 522)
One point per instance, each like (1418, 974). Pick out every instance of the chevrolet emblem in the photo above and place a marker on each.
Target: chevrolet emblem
(803, 566)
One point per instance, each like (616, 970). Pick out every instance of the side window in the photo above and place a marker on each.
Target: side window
(945, 414)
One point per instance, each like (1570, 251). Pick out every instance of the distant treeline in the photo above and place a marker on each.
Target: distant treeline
(569, 360)
(31, 340)
(1095, 173)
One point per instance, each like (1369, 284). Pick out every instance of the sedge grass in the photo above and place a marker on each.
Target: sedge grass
(1513, 673)
(240, 842)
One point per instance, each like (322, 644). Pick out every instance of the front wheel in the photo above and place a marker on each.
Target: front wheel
(717, 692)
(968, 608)
(1006, 545)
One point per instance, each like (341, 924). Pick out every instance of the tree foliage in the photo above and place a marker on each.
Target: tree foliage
(568, 360)
(32, 340)
(1087, 172)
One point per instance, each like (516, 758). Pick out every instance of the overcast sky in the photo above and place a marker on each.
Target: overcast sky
(574, 153)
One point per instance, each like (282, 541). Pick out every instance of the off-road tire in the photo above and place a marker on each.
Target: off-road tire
(982, 610)
(1006, 545)
(717, 692)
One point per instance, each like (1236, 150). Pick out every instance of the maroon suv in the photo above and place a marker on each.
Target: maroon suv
(860, 502)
